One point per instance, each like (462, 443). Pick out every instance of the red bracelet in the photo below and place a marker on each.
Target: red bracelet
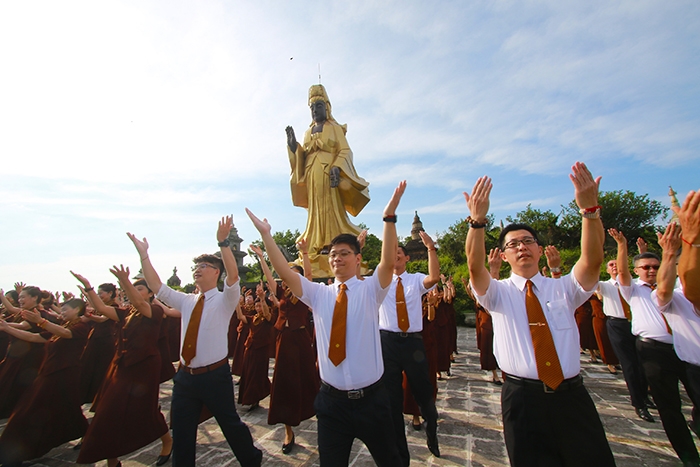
(694, 245)
(590, 210)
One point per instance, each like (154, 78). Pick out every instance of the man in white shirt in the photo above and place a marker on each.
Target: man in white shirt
(536, 337)
(204, 376)
(624, 342)
(352, 402)
(402, 345)
(662, 367)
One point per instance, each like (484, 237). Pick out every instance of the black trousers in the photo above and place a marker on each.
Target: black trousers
(552, 429)
(624, 345)
(407, 354)
(215, 390)
(663, 370)
(341, 420)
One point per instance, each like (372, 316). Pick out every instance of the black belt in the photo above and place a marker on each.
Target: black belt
(417, 335)
(655, 343)
(202, 369)
(621, 319)
(566, 385)
(353, 393)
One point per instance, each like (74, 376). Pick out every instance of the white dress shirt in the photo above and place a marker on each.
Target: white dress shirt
(413, 291)
(647, 321)
(512, 340)
(612, 306)
(212, 340)
(363, 363)
(682, 316)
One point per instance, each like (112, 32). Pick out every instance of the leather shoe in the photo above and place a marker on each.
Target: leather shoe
(417, 427)
(287, 448)
(78, 446)
(163, 459)
(649, 404)
(643, 413)
(691, 425)
(433, 444)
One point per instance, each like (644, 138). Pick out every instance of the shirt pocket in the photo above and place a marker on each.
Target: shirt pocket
(560, 316)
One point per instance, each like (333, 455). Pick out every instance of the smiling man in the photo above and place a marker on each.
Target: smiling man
(548, 415)
(204, 376)
(353, 401)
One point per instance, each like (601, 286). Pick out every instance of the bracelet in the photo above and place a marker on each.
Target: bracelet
(555, 270)
(432, 249)
(42, 323)
(89, 289)
(474, 224)
(305, 253)
(224, 243)
(390, 219)
(144, 259)
(694, 245)
(590, 213)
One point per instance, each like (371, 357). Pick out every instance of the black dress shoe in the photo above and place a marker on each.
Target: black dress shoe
(692, 427)
(497, 382)
(163, 459)
(643, 413)
(649, 404)
(433, 445)
(419, 426)
(287, 448)
(78, 446)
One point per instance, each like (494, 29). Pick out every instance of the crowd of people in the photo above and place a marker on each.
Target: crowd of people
(358, 353)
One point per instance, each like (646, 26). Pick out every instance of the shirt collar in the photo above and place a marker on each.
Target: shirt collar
(210, 293)
(348, 283)
(520, 281)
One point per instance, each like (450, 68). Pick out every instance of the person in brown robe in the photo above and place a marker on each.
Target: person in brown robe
(49, 414)
(127, 413)
(254, 383)
(410, 406)
(584, 321)
(295, 381)
(21, 364)
(607, 354)
(248, 309)
(442, 325)
(99, 350)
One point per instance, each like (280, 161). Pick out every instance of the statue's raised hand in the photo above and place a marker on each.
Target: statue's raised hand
(291, 138)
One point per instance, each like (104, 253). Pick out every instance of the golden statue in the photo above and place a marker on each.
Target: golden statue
(324, 180)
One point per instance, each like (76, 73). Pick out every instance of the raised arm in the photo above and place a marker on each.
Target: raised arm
(168, 311)
(689, 265)
(495, 262)
(670, 242)
(8, 305)
(95, 299)
(149, 272)
(475, 244)
(303, 246)
(624, 277)
(20, 334)
(587, 268)
(553, 261)
(135, 298)
(433, 262)
(272, 284)
(390, 243)
(225, 226)
(279, 262)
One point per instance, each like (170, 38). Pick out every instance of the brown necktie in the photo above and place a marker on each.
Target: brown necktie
(548, 366)
(625, 306)
(401, 311)
(189, 346)
(336, 346)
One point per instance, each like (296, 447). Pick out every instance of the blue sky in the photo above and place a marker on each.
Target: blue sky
(160, 117)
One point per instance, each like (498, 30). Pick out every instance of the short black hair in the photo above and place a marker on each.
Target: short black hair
(403, 248)
(347, 239)
(33, 292)
(211, 259)
(76, 303)
(647, 255)
(145, 284)
(511, 228)
(298, 269)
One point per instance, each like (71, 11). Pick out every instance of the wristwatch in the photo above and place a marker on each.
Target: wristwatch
(225, 243)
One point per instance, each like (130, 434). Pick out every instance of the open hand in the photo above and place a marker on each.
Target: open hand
(478, 202)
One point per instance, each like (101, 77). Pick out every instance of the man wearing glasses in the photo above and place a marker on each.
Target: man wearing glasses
(548, 416)
(662, 367)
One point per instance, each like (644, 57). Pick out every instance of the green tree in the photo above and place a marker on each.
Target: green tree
(544, 222)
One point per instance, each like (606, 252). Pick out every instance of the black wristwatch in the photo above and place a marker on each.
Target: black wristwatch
(225, 243)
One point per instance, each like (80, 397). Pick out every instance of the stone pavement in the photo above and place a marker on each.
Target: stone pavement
(470, 430)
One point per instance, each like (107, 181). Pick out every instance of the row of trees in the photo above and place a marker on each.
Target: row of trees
(635, 215)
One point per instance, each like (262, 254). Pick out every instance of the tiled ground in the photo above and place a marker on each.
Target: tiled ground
(469, 428)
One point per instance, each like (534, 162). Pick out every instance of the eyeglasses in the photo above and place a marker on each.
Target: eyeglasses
(515, 243)
(199, 266)
(646, 267)
(342, 253)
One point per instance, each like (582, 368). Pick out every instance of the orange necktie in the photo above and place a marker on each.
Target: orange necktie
(548, 366)
(625, 306)
(401, 310)
(189, 346)
(336, 346)
(668, 328)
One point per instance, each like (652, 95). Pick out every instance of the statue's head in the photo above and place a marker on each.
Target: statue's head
(320, 104)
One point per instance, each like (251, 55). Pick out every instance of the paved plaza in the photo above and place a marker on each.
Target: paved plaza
(469, 431)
